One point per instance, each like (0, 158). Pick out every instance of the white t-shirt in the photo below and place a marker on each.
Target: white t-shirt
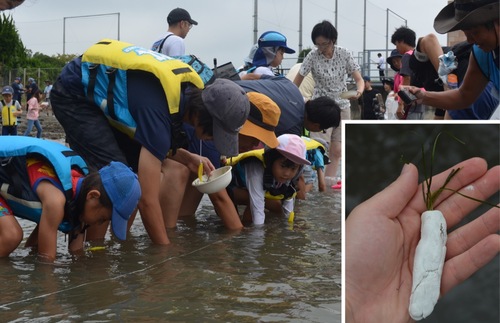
(173, 45)
(254, 174)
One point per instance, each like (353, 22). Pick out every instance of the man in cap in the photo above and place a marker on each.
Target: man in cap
(179, 25)
(120, 102)
(479, 20)
(18, 89)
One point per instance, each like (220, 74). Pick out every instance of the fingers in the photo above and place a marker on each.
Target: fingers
(396, 196)
(461, 267)
(462, 239)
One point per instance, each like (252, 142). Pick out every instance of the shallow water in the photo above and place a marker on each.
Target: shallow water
(279, 273)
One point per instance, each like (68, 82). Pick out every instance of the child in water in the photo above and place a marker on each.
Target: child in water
(47, 183)
(269, 174)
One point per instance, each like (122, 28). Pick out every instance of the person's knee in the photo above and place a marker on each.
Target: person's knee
(10, 239)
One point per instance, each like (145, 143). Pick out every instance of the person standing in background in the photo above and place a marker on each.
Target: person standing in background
(33, 113)
(381, 66)
(179, 25)
(11, 110)
(329, 65)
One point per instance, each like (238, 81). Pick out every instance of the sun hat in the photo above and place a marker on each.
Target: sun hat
(122, 186)
(179, 14)
(268, 45)
(293, 148)
(262, 120)
(465, 14)
(274, 39)
(7, 90)
(390, 59)
(228, 105)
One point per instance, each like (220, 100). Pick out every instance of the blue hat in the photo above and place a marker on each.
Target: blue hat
(122, 186)
(274, 39)
(367, 78)
(7, 90)
(389, 59)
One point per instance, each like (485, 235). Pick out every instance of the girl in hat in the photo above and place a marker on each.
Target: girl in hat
(47, 183)
(266, 175)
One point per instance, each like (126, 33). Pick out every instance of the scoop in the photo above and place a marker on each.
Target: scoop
(218, 180)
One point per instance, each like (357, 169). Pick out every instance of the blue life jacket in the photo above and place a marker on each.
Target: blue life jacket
(15, 185)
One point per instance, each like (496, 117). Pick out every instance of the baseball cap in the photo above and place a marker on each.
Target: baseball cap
(367, 78)
(7, 90)
(18, 78)
(228, 105)
(293, 148)
(262, 120)
(122, 186)
(179, 14)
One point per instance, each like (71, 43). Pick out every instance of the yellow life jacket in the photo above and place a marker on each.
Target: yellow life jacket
(8, 117)
(171, 72)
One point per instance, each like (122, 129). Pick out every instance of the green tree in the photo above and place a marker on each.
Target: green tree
(12, 50)
(303, 53)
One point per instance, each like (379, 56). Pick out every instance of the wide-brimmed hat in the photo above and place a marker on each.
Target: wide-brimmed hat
(465, 14)
(262, 120)
(228, 105)
(390, 59)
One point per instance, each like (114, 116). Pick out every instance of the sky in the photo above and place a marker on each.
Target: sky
(225, 29)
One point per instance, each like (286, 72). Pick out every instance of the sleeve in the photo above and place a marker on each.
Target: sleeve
(405, 65)
(306, 66)
(254, 173)
(351, 65)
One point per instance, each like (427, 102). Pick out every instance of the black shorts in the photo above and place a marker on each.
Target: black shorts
(88, 131)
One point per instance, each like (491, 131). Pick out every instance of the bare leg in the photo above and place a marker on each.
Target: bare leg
(334, 154)
(11, 235)
(172, 188)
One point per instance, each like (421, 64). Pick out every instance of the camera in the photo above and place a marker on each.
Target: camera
(378, 107)
(407, 97)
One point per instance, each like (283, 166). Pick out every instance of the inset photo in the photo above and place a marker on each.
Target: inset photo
(422, 216)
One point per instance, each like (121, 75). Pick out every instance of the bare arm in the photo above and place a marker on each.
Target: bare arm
(53, 201)
(471, 88)
(298, 79)
(226, 210)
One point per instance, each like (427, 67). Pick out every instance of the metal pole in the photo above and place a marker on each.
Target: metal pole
(255, 13)
(364, 38)
(64, 35)
(336, 14)
(118, 26)
(300, 27)
(386, 37)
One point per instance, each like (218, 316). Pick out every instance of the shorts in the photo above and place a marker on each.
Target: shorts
(89, 133)
(4, 208)
(331, 134)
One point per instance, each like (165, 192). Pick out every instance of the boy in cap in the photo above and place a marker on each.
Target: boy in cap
(367, 106)
(120, 102)
(18, 89)
(479, 20)
(11, 110)
(47, 183)
(179, 25)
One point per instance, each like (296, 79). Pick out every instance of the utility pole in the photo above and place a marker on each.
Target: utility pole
(300, 27)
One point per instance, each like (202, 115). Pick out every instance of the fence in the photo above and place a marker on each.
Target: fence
(39, 74)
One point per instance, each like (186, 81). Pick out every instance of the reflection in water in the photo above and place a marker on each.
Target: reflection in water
(281, 272)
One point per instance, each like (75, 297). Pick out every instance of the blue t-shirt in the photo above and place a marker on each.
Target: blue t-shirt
(288, 98)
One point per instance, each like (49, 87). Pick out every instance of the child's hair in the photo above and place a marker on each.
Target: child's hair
(37, 94)
(324, 111)
(195, 105)
(91, 182)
